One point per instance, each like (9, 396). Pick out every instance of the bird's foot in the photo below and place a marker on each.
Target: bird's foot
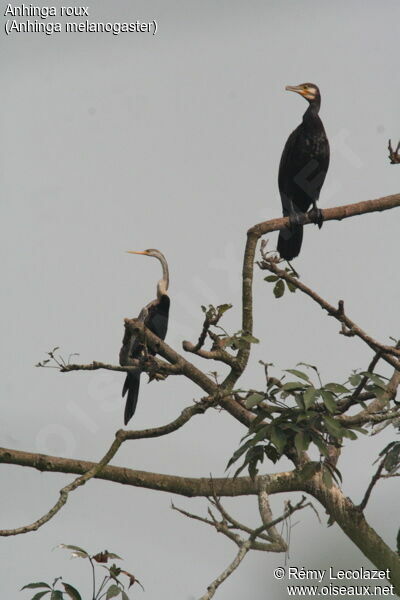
(316, 216)
(156, 377)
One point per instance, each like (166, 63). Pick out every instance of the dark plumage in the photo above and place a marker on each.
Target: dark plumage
(302, 170)
(155, 316)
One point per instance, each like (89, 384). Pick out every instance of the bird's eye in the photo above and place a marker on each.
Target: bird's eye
(306, 87)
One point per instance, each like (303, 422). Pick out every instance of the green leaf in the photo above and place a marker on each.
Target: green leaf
(380, 393)
(124, 595)
(336, 388)
(334, 471)
(303, 364)
(248, 444)
(333, 427)
(319, 442)
(387, 448)
(279, 289)
(376, 379)
(238, 453)
(355, 379)
(299, 374)
(56, 595)
(255, 424)
(40, 595)
(290, 386)
(310, 396)
(255, 455)
(271, 453)
(260, 435)
(72, 592)
(349, 434)
(113, 591)
(222, 308)
(359, 429)
(77, 552)
(278, 438)
(327, 477)
(254, 399)
(398, 542)
(292, 288)
(392, 459)
(329, 400)
(301, 441)
(271, 278)
(39, 584)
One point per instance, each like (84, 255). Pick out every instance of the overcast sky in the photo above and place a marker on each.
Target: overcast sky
(173, 141)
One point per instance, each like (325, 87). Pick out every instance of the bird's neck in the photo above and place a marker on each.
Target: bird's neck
(163, 284)
(312, 110)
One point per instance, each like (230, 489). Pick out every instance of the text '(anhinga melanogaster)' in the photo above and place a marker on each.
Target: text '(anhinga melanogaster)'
(302, 170)
(155, 316)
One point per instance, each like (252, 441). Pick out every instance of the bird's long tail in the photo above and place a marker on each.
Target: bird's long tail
(289, 241)
(131, 385)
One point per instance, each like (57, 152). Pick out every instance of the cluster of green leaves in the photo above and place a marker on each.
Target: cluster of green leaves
(55, 594)
(236, 341)
(281, 284)
(110, 587)
(309, 419)
(391, 456)
(214, 313)
(239, 340)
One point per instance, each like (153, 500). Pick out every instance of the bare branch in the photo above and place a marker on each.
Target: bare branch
(374, 480)
(253, 235)
(338, 213)
(246, 545)
(390, 354)
(212, 588)
(218, 354)
(64, 492)
(96, 468)
(149, 364)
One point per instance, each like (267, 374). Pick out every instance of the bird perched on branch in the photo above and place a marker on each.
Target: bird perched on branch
(155, 316)
(302, 170)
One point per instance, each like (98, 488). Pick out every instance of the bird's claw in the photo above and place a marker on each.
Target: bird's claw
(316, 216)
(156, 377)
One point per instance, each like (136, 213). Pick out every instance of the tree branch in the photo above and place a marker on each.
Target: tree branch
(96, 468)
(254, 234)
(390, 354)
(64, 492)
(246, 545)
(374, 480)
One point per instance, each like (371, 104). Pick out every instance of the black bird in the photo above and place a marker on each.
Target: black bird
(302, 170)
(155, 316)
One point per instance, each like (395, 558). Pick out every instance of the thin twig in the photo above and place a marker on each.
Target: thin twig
(246, 545)
(96, 468)
(374, 480)
(390, 354)
(355, 397)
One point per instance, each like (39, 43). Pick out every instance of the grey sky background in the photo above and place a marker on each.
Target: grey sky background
(173, 141)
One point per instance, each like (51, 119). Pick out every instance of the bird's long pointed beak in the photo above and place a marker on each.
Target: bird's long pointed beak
(295, 88)
(136, 252)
